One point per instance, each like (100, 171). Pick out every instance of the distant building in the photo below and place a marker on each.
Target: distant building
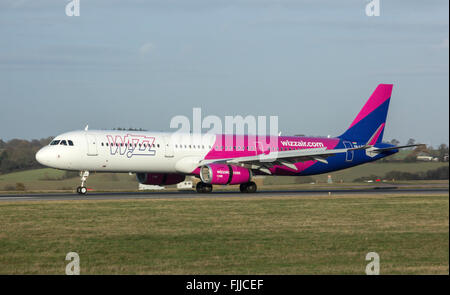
(426, 157)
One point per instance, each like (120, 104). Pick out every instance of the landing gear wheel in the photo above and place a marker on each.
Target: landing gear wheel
(203, 187)
(249, 187)
(81, 190)
(207, 188)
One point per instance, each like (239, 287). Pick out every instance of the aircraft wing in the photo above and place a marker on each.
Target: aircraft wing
(283, 158)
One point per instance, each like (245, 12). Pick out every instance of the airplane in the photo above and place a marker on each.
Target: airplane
(160, 158)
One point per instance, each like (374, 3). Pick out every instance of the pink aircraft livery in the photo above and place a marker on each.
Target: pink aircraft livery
(167, 158)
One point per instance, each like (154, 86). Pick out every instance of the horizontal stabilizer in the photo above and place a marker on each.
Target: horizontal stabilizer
(396, 147)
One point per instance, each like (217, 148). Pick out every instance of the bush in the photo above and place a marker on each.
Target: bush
(20, 186)
(440, 173)
(9, 187)
(410, 158)
(66, 175)
(400, 175)
(70, 174)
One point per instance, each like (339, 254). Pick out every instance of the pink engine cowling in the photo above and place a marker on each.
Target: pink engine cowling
(159, 178)
(224, 174)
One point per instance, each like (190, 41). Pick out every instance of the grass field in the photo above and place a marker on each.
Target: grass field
(37, 180)
(380, 169)
(375, 168)
(252, 235)
(47, 179)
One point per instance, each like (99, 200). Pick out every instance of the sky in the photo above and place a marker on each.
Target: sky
(139, 63)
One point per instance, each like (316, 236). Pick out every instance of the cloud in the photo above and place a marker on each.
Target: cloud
(146, 48)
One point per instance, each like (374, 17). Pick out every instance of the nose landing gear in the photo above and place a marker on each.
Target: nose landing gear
(82, 190)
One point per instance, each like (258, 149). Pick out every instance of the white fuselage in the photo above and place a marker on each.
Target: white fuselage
(126, 151)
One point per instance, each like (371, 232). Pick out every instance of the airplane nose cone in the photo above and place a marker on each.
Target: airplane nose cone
(42, 156)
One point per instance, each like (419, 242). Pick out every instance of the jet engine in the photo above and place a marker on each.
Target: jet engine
(159, 178)
(224, 174)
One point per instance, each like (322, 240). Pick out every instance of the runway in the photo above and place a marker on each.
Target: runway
(218, 194)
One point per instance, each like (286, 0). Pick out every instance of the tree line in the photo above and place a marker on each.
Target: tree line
(440, 173)
(441, 152)
(19, 154)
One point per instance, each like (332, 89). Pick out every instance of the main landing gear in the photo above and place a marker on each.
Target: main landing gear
(249, 187)
(203, 187)
(82, 190)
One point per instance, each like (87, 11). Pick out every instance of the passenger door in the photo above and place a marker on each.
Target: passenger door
(91, 141)
(168, 146)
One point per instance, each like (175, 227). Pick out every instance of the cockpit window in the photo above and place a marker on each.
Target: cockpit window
(62, 142)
